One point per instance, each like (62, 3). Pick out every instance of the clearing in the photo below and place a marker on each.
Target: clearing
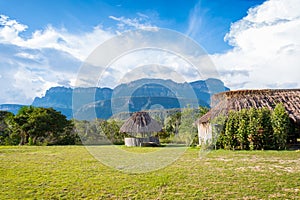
(70, 172)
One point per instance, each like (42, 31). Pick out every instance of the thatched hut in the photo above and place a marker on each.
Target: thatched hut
(223, 102)
(140, 125)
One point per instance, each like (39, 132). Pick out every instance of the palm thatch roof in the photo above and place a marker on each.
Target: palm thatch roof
(140, 122)
(223, 102)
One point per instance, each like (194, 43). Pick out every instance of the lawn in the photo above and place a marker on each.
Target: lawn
(70, 172)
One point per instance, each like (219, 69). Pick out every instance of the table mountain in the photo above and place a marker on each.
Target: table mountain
(143, 94)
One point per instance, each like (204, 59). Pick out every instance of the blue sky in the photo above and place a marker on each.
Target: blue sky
(212, 23)
(252, 43)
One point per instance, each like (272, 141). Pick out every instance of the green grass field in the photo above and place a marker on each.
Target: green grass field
(70, 172)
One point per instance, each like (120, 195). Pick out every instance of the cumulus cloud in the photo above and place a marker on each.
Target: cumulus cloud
(265, 53)
(128, 53)
(49, 57)
(148, 63)
(27, 73)
(79, 45)
(266, 47)
(10, 29)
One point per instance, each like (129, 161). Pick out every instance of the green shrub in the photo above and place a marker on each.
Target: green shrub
(255, 129)
(280, 123)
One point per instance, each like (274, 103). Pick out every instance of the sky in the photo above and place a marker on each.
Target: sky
(251, 43)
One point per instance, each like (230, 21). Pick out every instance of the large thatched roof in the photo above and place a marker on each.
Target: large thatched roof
(140, 122)
(222, 103)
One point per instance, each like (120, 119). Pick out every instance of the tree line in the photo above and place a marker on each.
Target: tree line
(46, 126)
(245, 129)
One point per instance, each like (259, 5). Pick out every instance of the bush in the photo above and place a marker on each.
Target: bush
(280, 124)
(255, 129)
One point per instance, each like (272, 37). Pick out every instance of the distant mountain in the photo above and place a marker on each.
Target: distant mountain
(14, 108)
(143, 94)
(61, 98)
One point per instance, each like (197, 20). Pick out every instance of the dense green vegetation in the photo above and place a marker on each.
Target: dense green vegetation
(99, 131)
(177, 128)
(246, 129)
(45, 126)
(256, 129)
(70, 172)
(36, 126)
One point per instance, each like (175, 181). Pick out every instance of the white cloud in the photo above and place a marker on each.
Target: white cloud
(140, 22)
(133, 52)
(10, 29)
(148, 63)
(266, 45)
(79, 46)
(50, 57)
(27, 73)
(266, 53)
(195, 20)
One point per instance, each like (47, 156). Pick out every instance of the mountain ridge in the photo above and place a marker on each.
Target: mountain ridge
(142, 94)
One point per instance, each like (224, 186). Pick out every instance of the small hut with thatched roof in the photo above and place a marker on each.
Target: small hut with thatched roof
(223, 102)
(141, 125)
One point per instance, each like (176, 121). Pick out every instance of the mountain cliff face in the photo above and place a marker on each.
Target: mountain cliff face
(56, 97)
(61, 98)
(143, 94)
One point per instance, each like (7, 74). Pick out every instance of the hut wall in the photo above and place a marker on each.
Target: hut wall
(137, 142)
(204, 133)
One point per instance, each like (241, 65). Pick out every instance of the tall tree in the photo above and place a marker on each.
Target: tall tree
(187, 132)
(265, 131)
(4, 127)
(20, 123)
(280, 123)
(230, 139)
(242, 133)
(44, 123)
(172, 123)
(111, 130)
(253, 136)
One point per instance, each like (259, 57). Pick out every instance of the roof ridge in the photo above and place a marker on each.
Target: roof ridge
(255, 91)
